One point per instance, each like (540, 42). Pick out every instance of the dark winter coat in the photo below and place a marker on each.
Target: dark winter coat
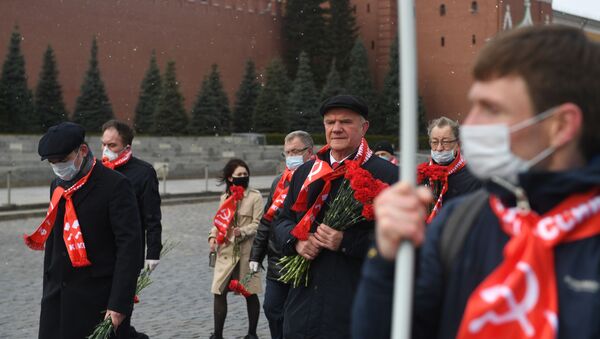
(460, 183)
(264, 242)
(74, 299)
(439, 304)
(322, 310)
(145, 184)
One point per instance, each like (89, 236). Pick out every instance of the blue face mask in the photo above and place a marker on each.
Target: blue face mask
(442, 157)
(294, 161)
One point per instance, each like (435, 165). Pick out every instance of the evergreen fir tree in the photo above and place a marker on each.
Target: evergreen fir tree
(17, 97)
(4, 116)
(359, 83)
(333, 85)
(269, 113)
(49, 102)
(211, 112)
(304, 29)
(388, 106)
(205, 118)
(343, 32)
(169, 117)
(149, 95)
(93, 108)
(220, 98)
(246, 97)
(389, 100)
(303, 101)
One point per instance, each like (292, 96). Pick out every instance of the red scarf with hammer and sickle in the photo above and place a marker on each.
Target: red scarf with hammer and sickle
(71, 233)
(121, 160)
(322, 170)
(279, 195)
(226, 212)
(442, 172)
(519, 298)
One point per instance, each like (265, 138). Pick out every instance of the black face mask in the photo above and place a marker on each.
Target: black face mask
(240, 181)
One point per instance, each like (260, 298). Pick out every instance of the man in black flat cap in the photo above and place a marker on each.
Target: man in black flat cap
(92, 240)
(322, 308)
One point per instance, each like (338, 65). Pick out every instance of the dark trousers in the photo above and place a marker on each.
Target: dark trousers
(275, 296)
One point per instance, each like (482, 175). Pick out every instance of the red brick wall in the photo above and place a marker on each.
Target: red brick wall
(194, 33)
(444, 71)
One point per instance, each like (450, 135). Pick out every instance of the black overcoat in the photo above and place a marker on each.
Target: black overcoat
(145, 184)
(74, 299)
(264, 242)
(323, 308)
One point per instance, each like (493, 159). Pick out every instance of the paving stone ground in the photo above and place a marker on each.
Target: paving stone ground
(178, 304)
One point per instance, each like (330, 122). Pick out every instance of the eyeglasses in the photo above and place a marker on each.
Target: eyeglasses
(445, 143)
(293, 152)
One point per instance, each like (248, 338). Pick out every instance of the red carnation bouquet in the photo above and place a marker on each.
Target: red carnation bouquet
(239, 287)
(435, 177)
(352, 204)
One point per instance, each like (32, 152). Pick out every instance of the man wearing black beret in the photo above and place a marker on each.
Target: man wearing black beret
(92, 240)
(322, 308)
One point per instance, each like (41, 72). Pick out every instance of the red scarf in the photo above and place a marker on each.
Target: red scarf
(226, 212)
(279, 195)
(435, 172)
(519, 299)
(71, 234)
(121, 160)
(321, 170)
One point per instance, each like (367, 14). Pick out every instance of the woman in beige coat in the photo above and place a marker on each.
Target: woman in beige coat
(234, 254)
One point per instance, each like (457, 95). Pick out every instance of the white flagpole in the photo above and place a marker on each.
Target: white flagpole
(403, 285)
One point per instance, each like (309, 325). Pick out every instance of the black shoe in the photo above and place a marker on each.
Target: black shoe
(213, 336)
(251, 336)
(136, 335)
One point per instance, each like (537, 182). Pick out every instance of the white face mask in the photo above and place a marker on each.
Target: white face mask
(442, 157)
(294, 161)
(110, 155)
(66, 170)
(486, 149)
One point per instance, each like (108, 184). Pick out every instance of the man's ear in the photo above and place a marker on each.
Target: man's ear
(85, 149)
(365, 127)
(566, 125)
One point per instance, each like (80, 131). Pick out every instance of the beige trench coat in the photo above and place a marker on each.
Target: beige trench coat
(248, 214)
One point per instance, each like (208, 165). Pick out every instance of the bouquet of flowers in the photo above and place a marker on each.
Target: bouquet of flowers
(105, 328)
(239, 287)
(352, 204)
(435, 177)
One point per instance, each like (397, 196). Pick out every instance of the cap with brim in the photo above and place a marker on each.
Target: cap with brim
(384, 146)
(350, 102)
(60, 140)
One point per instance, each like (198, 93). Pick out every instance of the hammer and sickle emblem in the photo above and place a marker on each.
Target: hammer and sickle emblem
(224, 214)
(317, 167)
(517, 311)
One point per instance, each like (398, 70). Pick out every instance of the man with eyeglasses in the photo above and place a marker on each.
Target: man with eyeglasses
(297, 149)
(91, 237)
(446, 172)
